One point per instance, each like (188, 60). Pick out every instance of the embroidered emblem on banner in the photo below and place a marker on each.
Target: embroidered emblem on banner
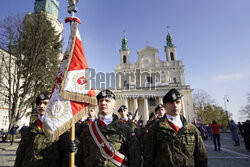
(59, 110)
(81, 80)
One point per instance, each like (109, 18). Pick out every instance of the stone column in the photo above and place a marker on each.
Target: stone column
(146, 112)
(135, 108)
(184, 108)
(126, 103)
(160, 100)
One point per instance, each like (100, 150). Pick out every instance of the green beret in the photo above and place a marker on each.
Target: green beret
(158, 107)
(106, 93)
(42, 96)
(123, 107)
(172, 95)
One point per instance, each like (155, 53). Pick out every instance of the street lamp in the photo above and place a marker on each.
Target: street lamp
(226, 100)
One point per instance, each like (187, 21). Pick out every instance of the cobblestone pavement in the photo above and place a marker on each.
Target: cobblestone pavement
(229, 156)
(8, 153)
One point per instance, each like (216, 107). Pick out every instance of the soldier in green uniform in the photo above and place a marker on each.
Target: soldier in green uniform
(35, 149)
(117, 143)
(160, 111)
(172, 141)
(123, 111)
(81, 123)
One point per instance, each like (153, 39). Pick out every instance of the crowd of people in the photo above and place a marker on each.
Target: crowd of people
(167, 139)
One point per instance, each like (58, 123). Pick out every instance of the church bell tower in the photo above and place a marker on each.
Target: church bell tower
(170, 49)
(49, 6)
(124, 51)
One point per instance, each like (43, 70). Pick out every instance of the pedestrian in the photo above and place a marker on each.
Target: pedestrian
(234, 132)
(216, 134)
(12, 133)
(123, 111)
(23, 129)
(3, 135)
(108, 141)
(172, 141)
(240, 126)
(246, 134)
(35, 149)
(209, 131)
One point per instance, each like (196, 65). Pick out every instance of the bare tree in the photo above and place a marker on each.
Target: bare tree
(29, 57)
(10, 35)
(245, 111)
(201, 100)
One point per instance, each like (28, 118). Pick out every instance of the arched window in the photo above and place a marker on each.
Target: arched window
(175, 81)
(172, 55)
(149, 80)
(124, 59)
(125, 83)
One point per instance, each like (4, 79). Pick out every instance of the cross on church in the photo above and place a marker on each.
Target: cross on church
(168, 27)
(124, 33)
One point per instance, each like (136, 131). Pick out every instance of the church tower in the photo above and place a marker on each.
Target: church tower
(51, 8)
(170, 49)
(124, 51)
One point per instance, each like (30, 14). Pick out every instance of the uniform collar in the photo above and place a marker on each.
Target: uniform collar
(41, 118)
(124, 119)
(176, 120)
(107, 119)
(92, 119)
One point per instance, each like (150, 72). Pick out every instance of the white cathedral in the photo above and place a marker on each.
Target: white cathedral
(142, 85)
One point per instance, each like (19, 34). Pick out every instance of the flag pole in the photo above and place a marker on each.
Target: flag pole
(72, 154)
(72, 10)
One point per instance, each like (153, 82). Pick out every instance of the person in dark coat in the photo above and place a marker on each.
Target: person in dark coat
(234, 132)
(3, 135)
(23, 129)
(240, 126)
(12, 133)
(246, 134)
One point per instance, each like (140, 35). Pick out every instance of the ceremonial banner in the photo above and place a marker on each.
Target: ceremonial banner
(72, 95)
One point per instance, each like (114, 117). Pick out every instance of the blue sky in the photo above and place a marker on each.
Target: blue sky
(212, 38)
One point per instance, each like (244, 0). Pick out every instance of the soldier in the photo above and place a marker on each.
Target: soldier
(172, 141)
(155, 116)
(123, 111)
(160, 111)
(35, 149)
(107, 141)
(88, 121)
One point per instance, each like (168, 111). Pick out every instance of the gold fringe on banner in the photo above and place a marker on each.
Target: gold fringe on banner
(53, 135)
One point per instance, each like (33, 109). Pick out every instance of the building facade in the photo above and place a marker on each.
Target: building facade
(51, 8)
(142, 85)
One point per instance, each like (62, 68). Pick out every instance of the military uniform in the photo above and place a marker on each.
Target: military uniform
(163, 146)
(80, 124)
(36, 150)
(118, 134)
(130, 123)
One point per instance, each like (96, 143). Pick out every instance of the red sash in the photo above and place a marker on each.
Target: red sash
(107, 149)
(39, 125)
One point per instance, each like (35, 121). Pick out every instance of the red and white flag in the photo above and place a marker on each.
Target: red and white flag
(72, 95)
